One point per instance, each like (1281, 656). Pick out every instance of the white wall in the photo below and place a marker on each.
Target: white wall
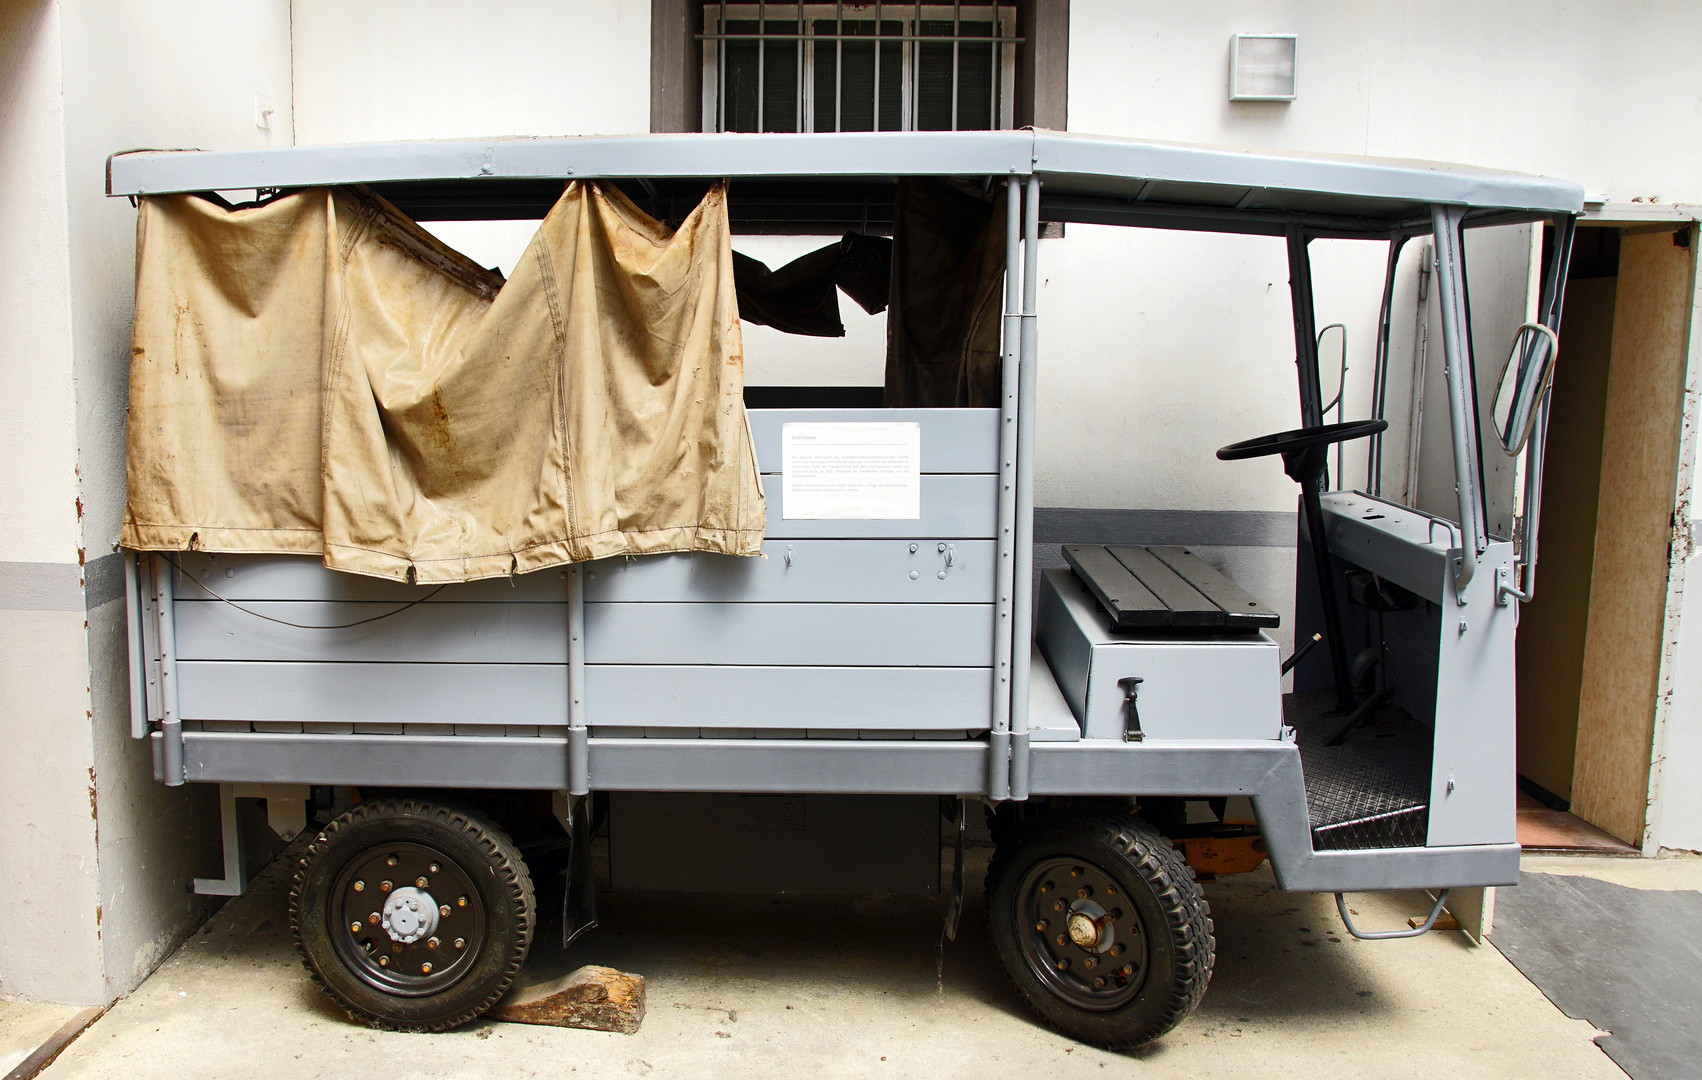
(134, 78)
(94, 855)
(434, 69)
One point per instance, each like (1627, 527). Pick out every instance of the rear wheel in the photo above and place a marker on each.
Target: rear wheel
(1101, 925)
(412, 915)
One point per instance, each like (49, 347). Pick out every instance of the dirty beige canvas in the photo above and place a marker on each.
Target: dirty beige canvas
(321, 376)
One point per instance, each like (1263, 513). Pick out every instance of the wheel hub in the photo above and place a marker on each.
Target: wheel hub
(406, 919)
(1085, 940)
(409, 915)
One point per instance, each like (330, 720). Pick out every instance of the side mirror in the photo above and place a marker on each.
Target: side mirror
(1524, 381)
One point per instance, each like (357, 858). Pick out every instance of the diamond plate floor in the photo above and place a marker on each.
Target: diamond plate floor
(1372, 791)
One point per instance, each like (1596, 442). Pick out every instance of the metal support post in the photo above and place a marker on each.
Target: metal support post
(998, 761)
(1462, 389)
(133, 647)
(171, 723)
(1022, 618)
(578, 736)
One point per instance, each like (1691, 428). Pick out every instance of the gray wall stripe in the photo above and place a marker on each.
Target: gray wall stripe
(104, 580)
(42, 586)
(1206, 528)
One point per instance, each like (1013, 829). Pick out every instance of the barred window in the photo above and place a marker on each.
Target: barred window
(858, 67)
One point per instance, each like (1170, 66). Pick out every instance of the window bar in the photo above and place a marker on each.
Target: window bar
(996, 57)
(721, 71)
(798, 101)
(839, 65)
(956, 29)
(876, 123)
(761, 62)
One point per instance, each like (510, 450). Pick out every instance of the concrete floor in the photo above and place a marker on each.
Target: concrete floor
(25, 1025)
(855, 987)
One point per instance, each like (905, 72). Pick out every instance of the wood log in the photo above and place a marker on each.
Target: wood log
(597, 998)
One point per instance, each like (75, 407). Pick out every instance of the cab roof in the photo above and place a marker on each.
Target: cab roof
(807, 180)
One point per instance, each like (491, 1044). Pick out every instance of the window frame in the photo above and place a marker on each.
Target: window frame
(1005, 18)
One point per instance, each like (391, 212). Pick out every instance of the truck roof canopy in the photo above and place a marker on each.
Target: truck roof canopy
(814, 181)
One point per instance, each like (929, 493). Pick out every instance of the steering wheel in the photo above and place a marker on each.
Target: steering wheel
(1286, 442)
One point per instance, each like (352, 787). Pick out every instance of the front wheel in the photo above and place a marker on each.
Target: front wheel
(1101, 925)
(411, 915)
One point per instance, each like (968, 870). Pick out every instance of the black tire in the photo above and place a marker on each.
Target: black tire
(1152, 959)
(425, 980)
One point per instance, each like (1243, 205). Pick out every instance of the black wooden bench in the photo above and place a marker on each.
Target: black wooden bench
(1164, 588)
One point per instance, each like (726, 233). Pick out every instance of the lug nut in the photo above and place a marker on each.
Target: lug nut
(1109, 891)
(1061, 939)
(1075, 871)
(433, 943)
(435, 868)
(1084, 892)
(461, 902)
(373, 918)
(1128, 969)
(384, 886)
(360, 886)
(425, 969)
(420, 882)
(1058, 906)
(383, 961)
(444, 911)
(1117, 949)
(1062, 964)
(354, 927)
(460, 943)
(1042, 925)
(1099, 984)
(1046, 888)
(390, 860)
(1091, 962)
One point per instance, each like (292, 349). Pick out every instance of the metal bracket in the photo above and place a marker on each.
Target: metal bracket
(1505, 589)
(1131, 687)
(235, 881)
(579, 899)
(1389, 935)
(954, 902)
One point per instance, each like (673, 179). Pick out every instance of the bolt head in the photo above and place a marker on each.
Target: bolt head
(425, 969)
(383, 961)
(1083, 894)
(373, 918)
(1109, 891)
(1046, 888)
(1091, 962)
(435, 868)
(1099, 984)
(444, 911)
(1075, 871)
(354, 927)
(1062, 964)
(432, 943)
(1128, 969)
(384, 886)
(419, 882)
(1062, 940)
(1042, 925)
(360, 886)
(1117, 949)
(460, 943)
(461, 902)
(390, 860)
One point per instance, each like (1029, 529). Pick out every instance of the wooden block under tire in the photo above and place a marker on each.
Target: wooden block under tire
(598, 998)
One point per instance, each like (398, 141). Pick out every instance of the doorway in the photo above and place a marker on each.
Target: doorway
(1589, 643)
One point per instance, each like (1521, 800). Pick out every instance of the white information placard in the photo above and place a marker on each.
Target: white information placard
(852, 470)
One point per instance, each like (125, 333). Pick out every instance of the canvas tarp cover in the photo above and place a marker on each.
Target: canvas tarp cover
(319, 375)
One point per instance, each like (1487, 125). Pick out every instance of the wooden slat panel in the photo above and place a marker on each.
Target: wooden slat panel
(907, 635)
(820, 571)
(1111, 583)
(426, 633)
(866, 698)
(374, 693)
(1238, 605)
(953, 440)
(1173, 592)
(299, 577)
(952, 505)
